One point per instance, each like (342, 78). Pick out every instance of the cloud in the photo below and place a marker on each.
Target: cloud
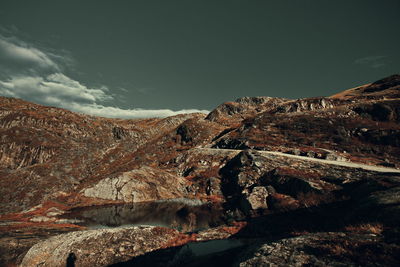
(371, 61)
(36, 76)
(60, 91)
(17, 52)
(114, 112)
(56, 89)
(123, 89)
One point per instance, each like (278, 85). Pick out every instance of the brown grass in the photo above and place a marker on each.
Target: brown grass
(374, 228)
(299, 233)
(237, 226)
(314, 199)
(298, 173)
(211, 198)
(180, 240)
(361, 252)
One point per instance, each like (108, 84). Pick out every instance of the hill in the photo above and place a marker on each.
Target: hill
(292, 164)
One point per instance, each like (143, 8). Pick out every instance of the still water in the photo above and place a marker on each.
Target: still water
(181, 214)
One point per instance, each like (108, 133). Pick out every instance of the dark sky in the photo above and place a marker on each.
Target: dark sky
(197, 54)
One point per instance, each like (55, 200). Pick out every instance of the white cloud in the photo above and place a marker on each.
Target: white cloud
(114, 112)
(371, 61)
(61, 91)
(58, 87)
(14, 50)
(39, 79)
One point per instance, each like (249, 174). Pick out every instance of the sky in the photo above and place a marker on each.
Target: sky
(134, 58)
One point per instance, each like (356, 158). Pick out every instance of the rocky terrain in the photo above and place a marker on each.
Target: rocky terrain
(312, 181)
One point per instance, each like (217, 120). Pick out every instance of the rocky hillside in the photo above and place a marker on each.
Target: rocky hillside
(295, 165)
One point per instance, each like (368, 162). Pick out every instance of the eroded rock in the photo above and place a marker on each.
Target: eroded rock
(256, 199)
(144, 184)
(322, 249)
(100, 247)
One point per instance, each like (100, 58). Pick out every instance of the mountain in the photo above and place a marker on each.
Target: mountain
(291, 164)
(385, 88)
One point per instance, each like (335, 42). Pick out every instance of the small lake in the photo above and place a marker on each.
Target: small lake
(181, 214)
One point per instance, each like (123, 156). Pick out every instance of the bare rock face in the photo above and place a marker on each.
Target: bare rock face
(291, 185)
(257, 199)
(384, 204)
(213, 186)
(144, 184)
(389, 111)
(308, 104)
(322, 249)
(243, 108)
(100, 247)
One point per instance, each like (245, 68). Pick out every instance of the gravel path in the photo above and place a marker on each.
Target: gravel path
(332, 162)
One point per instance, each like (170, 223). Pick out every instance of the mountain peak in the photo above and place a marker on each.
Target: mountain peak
(388, 87)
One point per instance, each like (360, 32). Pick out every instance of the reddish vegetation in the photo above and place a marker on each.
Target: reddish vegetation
(310, 174)
(374, 228)
(212, 198)
(314, 199)
(283, 202)
(180, 240)
(362, 252)
(28, 226)
(237, 226)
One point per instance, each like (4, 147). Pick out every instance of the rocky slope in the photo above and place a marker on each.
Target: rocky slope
(336, 174)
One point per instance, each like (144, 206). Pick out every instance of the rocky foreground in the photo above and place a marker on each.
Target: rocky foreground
(311, 181)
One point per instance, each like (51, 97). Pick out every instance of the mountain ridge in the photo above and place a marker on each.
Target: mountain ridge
(256, 156)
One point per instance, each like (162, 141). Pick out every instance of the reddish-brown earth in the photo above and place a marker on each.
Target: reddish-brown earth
(53, 160)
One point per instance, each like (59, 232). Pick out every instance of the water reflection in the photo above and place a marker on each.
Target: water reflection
(174, 214)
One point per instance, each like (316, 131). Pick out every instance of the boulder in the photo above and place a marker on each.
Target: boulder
(100, 247)
(184, 132)
(213, 186)
(144, 184)
(119, 133)
(256, 199)
(291, 185)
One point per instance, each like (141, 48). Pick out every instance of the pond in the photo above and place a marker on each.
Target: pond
(181, 214)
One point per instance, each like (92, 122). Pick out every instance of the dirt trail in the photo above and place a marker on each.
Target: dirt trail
(332, 162)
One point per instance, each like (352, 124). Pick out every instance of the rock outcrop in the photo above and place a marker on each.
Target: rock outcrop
(242, 108)
(100, 247)
(144, 184)
(322, 249)
(252, 181)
